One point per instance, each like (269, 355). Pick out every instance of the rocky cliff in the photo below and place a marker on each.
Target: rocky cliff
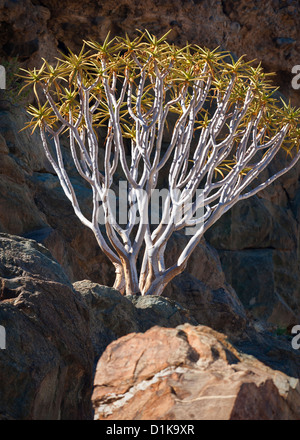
(266, 31)
(244, 277)
(258, 241)
(69, 347)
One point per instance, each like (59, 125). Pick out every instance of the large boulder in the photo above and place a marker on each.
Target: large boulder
(32, 204)
(189, 373)
(186, 300)
(112, 315)
(46, 368)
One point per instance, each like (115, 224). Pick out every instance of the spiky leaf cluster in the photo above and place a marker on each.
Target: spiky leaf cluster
(120, 59)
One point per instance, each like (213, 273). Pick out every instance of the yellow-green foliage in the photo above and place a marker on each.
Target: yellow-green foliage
(182, 66)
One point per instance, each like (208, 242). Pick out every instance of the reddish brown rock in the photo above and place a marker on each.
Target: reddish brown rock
(189, 373)
(112, 315)
(258, 239)
(34, 29)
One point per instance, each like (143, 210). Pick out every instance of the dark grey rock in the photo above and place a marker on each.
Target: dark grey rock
(113, 315)
(23, 257)
(265, 286)
(46, 368)
(218, 308)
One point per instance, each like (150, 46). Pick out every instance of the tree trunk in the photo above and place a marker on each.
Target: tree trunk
(157, 286)
(128, 279)
(119, 283)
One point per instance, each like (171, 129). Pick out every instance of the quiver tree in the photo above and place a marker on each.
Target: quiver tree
(224, 128)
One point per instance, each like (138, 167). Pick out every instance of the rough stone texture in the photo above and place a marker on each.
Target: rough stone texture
(258, 241)
(203, 290)
(258, 245)
(113, 315)
(34, 28)
(189, 373)
(219, 308)
(258, 268)
(18, 212)
(46, 368)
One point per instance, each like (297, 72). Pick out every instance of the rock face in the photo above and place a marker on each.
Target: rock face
(220, 309)
(202, 289)
(46, 368)
(32, 29)
(113, 315)
(189, 373)
(56, 332)
(258, 245)
(258, 240)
